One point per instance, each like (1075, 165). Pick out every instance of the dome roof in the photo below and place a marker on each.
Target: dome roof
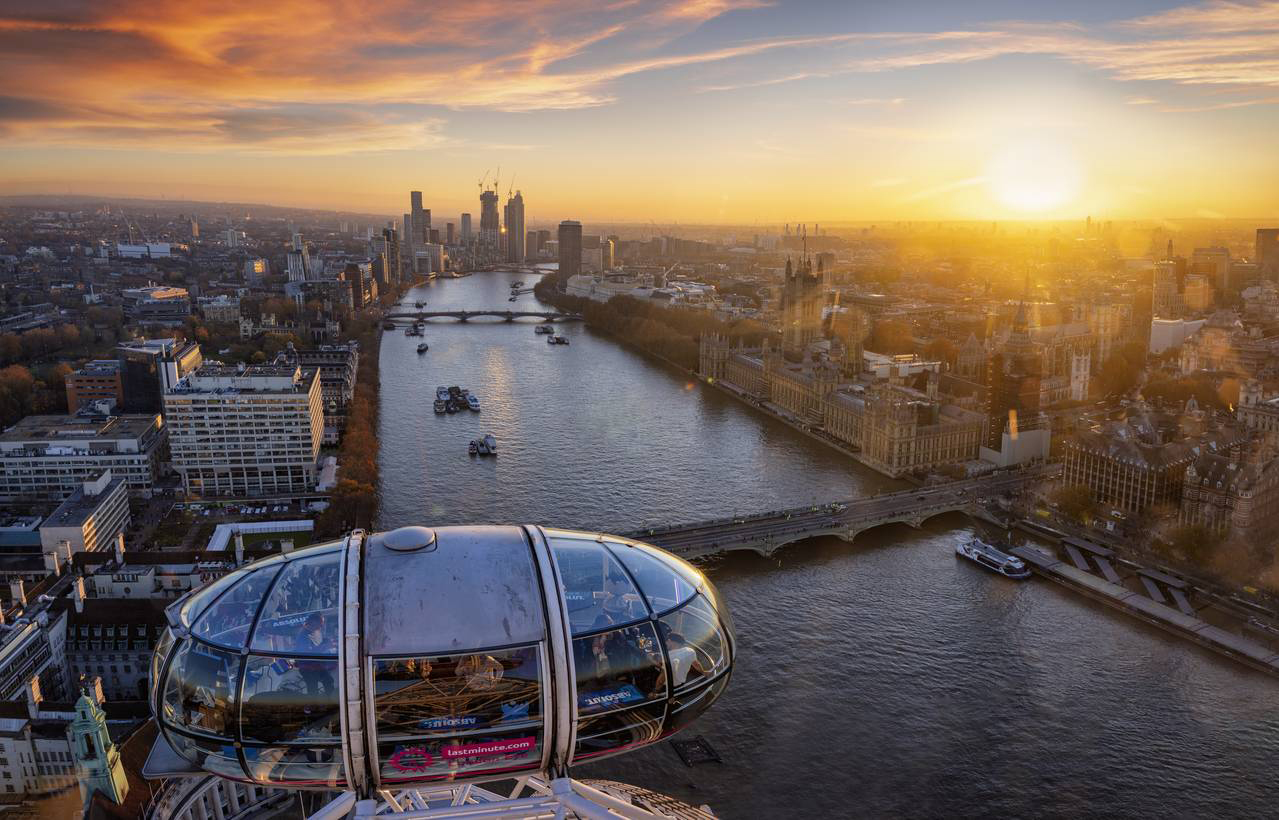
(421, 655)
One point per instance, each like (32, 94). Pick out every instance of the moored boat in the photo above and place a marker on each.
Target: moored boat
(491, 443)
(422, 348)
(439, 406)
(993, 559)
(473, 403)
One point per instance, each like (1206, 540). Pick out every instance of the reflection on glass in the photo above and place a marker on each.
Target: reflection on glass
(201, 598)
(214, 756)
(300, 616)
(296, 765)
(457, 693)
(694, 643)
(290, 700)
(157, 659)
(687, 706)
(661, 584)
(596, 588)
(611, 731)
(437, 758)
(618, 669)
(226, 623)
(199, 689)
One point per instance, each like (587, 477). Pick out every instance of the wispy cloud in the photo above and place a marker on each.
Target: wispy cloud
(330, 76)
(323, 76)
(934, 191)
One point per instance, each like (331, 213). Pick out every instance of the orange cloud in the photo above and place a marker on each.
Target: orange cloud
(318, 77)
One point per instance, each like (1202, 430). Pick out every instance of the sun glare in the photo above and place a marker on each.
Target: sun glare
(1034, 176)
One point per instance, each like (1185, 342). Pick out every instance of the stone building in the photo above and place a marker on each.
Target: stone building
(1139, 462)
(1234, 492)
(896, 428)
(803, 297)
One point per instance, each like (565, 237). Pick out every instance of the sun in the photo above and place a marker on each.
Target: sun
(1034, 175)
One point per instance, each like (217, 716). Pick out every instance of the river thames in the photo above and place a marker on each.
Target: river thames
(877, 679)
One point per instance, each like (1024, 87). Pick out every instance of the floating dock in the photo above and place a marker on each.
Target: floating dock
(1179, 618)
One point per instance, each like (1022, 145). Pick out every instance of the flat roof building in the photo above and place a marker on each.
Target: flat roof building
(246, 431)
(148, 367)
(90, 519)
(96, 381)
(48, 457)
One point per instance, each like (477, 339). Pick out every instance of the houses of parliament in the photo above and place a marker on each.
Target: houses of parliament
(887, 411)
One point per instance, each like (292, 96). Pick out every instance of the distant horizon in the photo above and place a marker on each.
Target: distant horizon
(1152, 221)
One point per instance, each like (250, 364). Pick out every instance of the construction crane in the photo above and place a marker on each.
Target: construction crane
(510, 187)
(497, 179)
(481, 182)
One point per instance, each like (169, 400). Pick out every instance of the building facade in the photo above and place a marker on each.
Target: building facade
(246, 431)
(48, 457)
(92, 518)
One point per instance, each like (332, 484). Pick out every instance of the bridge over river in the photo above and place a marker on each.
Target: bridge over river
(766, 532)
(467, 315)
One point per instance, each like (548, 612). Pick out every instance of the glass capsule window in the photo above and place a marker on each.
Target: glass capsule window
(645, 675)
(446, 716)
(252, 692)
(598, 592)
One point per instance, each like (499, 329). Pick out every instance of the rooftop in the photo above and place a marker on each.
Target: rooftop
(56, 429)
(78, 506)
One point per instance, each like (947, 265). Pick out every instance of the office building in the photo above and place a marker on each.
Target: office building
(466, 228)
(90, 519)
(48, 457)
(338, 365)
(570, 248)
(157, 305)
(255, 270)
(490, 228)
(1267, 252)
(450, 234)
(246, 431)
(514, 221)
(420, 219)
(389, 247)
(148, 367)
(530, 245)
(96, 381)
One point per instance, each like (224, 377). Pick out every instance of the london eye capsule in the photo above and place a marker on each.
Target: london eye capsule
(451, 654)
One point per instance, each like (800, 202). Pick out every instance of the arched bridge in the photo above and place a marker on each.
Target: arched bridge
(467, 315)
(767, 532)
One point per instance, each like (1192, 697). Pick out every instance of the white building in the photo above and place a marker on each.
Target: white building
(90, 519)
(222, 309)
(48, 457)
(1166, 334)
(246, 431)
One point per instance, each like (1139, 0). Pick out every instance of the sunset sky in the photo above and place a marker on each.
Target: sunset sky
(699, 110)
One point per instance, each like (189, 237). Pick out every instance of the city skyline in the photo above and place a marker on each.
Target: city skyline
(715, 111)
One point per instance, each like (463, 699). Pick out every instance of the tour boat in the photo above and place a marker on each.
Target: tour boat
(543, 329)
(450, 407)
(439, 406)
(993, 559)
(472, 402)
(473, 449)
(422, 348)
(442, 393)
(481, 447)
(491, 443)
